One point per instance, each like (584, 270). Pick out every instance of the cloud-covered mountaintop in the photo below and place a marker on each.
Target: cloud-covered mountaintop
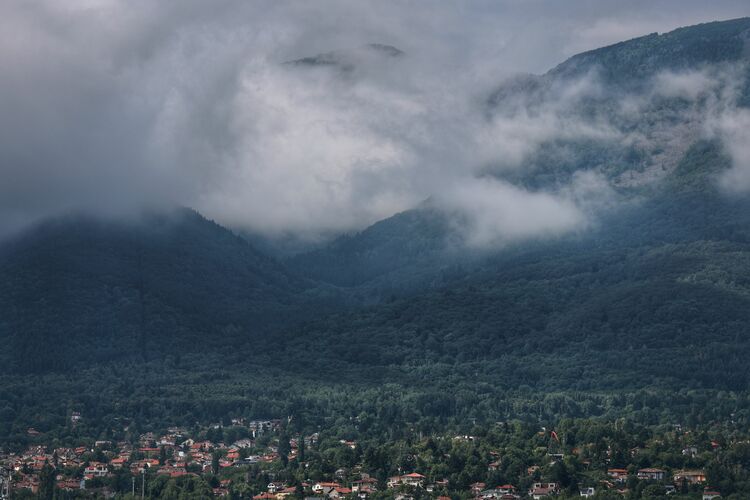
(110, 105)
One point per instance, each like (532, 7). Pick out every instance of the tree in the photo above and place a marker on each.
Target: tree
(46, 482)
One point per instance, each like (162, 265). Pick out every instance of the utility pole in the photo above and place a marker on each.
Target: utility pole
(143, 483)
(133, 492)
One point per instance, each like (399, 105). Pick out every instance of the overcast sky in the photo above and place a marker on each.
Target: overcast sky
(109, 105)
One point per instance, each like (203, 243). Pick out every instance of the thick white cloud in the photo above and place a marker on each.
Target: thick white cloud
(493, 212)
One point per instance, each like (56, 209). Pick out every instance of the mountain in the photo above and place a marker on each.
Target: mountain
(81, 289)
(633, 61)
(348, 60)
(646, 313)
(655, 297)
(639, 111)
(415, 248)
(635, 107)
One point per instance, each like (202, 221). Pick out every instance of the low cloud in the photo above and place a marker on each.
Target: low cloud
(493, 213)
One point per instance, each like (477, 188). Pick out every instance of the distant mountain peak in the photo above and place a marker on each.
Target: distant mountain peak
(687, 47)
(346, 59)
(388, 50)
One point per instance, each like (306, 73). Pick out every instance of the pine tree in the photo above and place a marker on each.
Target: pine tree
(46, 482)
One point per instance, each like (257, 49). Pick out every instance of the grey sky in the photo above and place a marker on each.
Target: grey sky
(110, 105)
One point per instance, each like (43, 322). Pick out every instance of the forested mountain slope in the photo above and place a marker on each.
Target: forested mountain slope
(415, 248)
(652, 295)
(627, 115)
(657, 296)
(78, 290)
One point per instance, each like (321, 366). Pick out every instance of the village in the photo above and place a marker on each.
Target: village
(257, 466)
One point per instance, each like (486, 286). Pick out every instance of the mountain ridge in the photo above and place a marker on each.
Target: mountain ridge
(652, 298)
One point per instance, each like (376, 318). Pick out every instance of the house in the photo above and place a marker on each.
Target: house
(288, 491)
(244, 443)
(650, 474)
(96, 469)
(339, 492)
(167, 441)
(367, 483)
(69, 484)
(29, 483)
(504, 492)
(477, 488)
(144, 464)
(324, 488)
(440, 483)
(690, 476)
(710, 495)
(413, 479)
(274, 487)
(543, 490)
(618, 475)
(202, 446)
(587, 492)
(493, 466)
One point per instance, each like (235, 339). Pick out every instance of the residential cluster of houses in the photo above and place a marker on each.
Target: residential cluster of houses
(175, 454)
(171, 454)
(678, 479)
(652, 474)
